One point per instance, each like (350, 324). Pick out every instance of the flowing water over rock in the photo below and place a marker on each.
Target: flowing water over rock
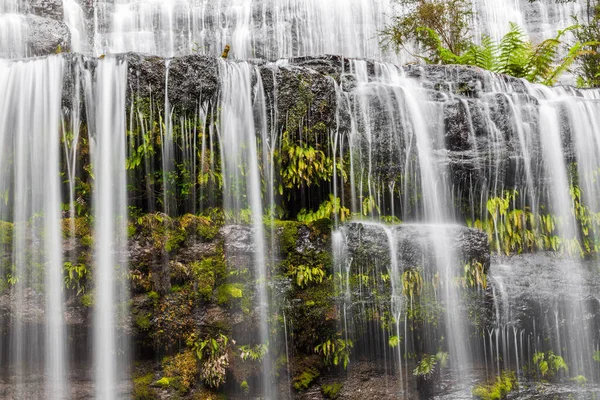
(180, 225)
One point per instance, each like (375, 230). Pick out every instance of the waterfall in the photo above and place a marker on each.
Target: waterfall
(31, 191)
(242, 181)
(13, 30)
(430, 213)
(110, 212)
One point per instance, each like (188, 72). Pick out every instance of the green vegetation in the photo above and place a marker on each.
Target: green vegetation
(588, 31)
(305, 379)
(332, 391)
(512, 230)
(440, 30)
(498, 388)
(330, 209)
(427, 366)
(549, 364)
(430, 24)
(214, 358)
(335, 351)
(142, 389)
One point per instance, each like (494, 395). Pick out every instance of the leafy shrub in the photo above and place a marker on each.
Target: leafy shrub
(335, 351)
(549, 364)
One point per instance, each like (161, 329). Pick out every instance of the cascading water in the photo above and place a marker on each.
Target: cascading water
(32, 201)
(13, 30)
(201, 148)
(110, 212)
(241, 178)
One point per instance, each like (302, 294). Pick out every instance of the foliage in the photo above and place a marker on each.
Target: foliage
(208, 273)
(254, 353)
(335, 351)
(229, 292)
(426, 367)
(412, 283)
(474, 275)
(305, 275)
(394, 341)
(516, 231)
(431, 24)
(498, 388)
(580, 380)
(332, 391)
(214, 358)
(588, 31)
(6, 232)
(75, 277)
(549, 364)
(331, 209)
(514, 55)
(302, 164)
(87, 300)
(597, 356)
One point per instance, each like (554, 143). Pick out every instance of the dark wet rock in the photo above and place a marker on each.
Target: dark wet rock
(416, 244)
(533, 285)
(146, 76)
(461, 80)
(307, 95)
(192, 79)
(238, 239)
(47, 36)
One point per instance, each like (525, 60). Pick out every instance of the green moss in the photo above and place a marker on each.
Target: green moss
(332, 391)
(164, 382)
(229, 292)
(143, 321)
(153, 296)
(87, 300)
(497, 389)
(87, 241)
(286, 233)
(6, 232)
(174, 239)
(142, 388)
(207, 273)
(305, 379)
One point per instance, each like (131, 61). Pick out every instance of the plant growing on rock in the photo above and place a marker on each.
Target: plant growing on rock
(331, 209)
(254, 353)
(75, 277)
(474, 275)
(214, 358)
(412, 283)
(180, 371)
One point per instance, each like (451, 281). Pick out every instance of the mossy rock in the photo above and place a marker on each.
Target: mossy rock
(207, 273)
(6, 232)
(332, 390)
(142, 388)
(305, 379)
